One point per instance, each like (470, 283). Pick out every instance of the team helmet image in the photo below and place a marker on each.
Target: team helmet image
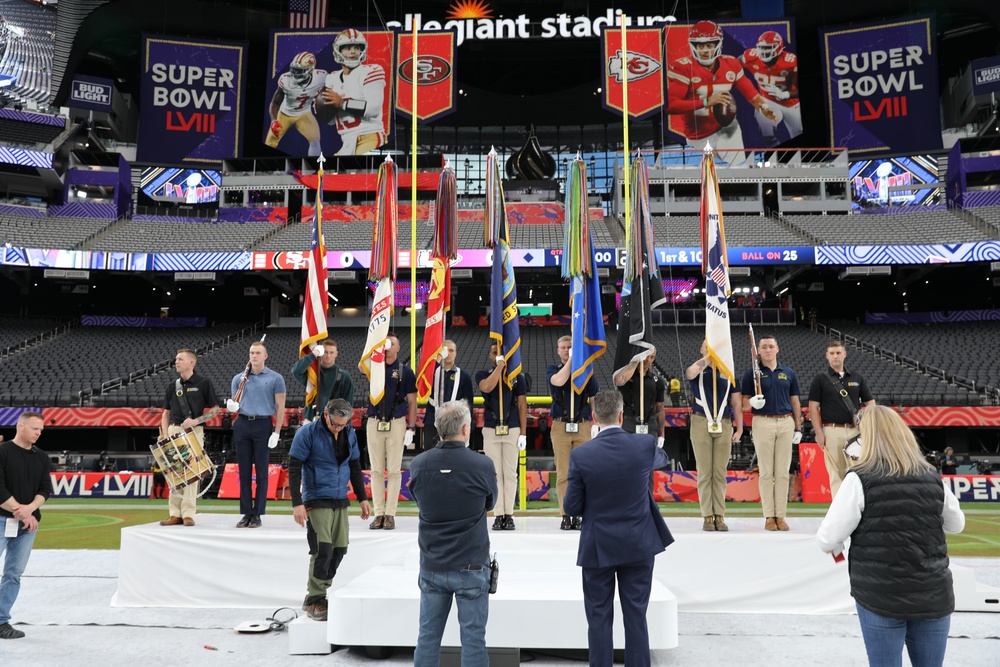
(302, 67)
(350, 37)
(770, 45)
(705, 34)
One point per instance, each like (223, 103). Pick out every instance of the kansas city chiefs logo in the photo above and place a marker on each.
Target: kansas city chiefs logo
(639, 66)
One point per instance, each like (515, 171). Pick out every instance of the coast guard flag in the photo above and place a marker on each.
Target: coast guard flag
(316, 302)
(715, 266)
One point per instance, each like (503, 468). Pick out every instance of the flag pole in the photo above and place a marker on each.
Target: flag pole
(626, 152)
(413, 208)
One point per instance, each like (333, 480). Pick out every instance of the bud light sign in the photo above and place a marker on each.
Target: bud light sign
(91, 92)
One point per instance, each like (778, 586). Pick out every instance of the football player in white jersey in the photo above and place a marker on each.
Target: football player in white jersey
(291, 104)
(776, 70)
(354, 97)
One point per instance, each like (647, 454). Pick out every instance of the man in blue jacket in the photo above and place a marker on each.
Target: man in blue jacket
(622, 529)
(454, 489)
(323, 459)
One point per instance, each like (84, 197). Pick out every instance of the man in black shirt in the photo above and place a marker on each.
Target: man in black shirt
(454, 489)
(24, 488)
(450, 383)
(187, 398)
(835, 396)
(650, 418)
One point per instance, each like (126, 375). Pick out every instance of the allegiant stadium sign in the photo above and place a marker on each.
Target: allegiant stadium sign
(562, 26)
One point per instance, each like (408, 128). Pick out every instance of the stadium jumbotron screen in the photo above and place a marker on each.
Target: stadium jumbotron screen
(181, 186)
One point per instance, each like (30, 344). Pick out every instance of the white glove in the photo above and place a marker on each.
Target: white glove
(659, 442)
(272, 442)
(522, 442)
(232, 405)
(443, 353)
(775, 92)
(594, 430)
(500, 359)
(797, 437)
(757, 402)
(408, 439)
(318, 350)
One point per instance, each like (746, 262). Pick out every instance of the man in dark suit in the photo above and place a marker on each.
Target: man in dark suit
(622, 529)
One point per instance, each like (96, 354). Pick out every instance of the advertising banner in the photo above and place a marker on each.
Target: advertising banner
(642, 67)
(434, 73)
(191, 108)
(985, 75)
(329, 91)
(101, 484)
(91, 92)
(881, 86)
(732, 85)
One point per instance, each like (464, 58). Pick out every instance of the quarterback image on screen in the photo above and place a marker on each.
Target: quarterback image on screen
(776, 71)
(699, 92)
(354, 96)
(291, 105)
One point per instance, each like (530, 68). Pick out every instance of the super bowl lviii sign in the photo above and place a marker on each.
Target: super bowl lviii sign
(881, 86)
(192, 100)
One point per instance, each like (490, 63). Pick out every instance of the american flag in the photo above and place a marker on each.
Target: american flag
(718, 276)
(308, 13)
(316, 302)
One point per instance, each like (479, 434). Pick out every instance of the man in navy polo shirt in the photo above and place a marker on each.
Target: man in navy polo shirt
(777, 425)
(390, 430)
(256, 430)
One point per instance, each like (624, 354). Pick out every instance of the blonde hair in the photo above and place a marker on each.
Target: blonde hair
(888, 447)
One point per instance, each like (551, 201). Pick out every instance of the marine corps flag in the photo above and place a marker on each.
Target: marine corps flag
(715, 266)
(381, 272)
(439, 302)
(578, 265)
(316, 303)
(642, 288)
(433, 71)
(504, 328)
(642, 66)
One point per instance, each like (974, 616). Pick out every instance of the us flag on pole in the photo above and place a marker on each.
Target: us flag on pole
(308, 13)
(316, 303)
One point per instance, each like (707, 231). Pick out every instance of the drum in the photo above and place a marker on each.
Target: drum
(182, 459)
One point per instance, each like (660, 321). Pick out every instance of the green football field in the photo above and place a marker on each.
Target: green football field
(97, 523)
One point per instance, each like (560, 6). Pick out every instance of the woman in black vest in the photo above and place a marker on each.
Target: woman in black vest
(896, 510)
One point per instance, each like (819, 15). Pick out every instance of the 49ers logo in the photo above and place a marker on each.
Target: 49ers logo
(640, 66)
(430, 70)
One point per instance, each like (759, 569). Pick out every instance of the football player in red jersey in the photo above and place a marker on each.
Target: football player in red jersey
(699, 92)
(776, 71)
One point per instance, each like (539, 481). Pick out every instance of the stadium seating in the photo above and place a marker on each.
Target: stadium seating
(29, 57)
(910, 228)
(741, 231)
(14, 331)
(62, 233)
(158, 236)
(32, 135)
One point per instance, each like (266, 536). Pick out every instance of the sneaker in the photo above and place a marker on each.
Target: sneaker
(577, 522)
(244, 522)
(780, 521)
(567, 523)
(7, 631)
(317, 609)
(172, 521)
(709, 524)
(498, 522)
(378, 523)
(254, 521)
(720, 523)
(770, 524)
(508, 522)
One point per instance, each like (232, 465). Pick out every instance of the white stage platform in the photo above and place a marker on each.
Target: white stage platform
(216, 565)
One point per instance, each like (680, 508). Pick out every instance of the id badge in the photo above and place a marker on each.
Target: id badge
(714, 427)
(642, 428)
(572, 427)
(383, 427)
(501, 430)
(10, 528)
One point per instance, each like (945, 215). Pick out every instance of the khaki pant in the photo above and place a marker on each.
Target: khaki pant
(182, 503)
(836, 461)
(772, 438)
(329, 532)
(711, 454)
(503, 451)
(562, 444)
(385, 449)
